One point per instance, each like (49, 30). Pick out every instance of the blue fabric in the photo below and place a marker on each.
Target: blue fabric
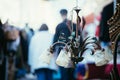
(44, 74)
(20, 73)
(81, 69)
(67, 73)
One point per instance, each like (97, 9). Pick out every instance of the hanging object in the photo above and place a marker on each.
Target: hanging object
(46, 56)
(64, 59)
(73, 50)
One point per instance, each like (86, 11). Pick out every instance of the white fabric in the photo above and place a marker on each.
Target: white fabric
(40, 42)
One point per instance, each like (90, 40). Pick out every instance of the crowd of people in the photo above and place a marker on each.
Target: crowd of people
(20, 49)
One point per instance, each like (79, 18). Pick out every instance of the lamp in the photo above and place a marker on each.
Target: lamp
(73, 50)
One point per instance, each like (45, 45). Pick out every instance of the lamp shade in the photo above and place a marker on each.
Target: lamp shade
(100, 58)
(108, 54)
(64, 59)
(46, 56)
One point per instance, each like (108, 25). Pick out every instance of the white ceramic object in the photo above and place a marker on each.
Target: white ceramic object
(100, 58)
(64, 59)
(103, 57)
(108, 54)
(46, 56)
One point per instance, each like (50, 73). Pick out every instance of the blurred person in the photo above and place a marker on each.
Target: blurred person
(22, 59)
(39, 43)
(29, 32)
(104, 29)
(65, 29)
(26, 35)
(1, 42)
(2, 58)
(12, 40)
(62, 27)
(24, 45)
(25, 38)
(91, 25)
(104, 37)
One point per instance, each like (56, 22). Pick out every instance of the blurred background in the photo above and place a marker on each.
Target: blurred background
(24, 19)
(35, 12)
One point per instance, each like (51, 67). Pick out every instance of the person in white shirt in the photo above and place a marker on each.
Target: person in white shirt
(40, 42)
